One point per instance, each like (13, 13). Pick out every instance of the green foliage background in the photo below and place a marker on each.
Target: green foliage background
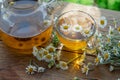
(107, 4)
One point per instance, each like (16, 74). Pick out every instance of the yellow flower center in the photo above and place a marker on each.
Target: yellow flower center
(108, 40)
(30, 70)
(40, 55)
(66, 27)
(102, 22)
(11, 3)
(77, 28)
(45, 53)
(63, 64)
(119, 44)
(51, 49)
(118, 29)
(106, 56)
(48, 56)
(85, 69)
(97, 60)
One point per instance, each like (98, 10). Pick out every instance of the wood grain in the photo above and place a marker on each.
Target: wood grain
(12, 65)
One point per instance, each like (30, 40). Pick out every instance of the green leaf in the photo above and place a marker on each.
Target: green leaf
(55, 40)
(51, 64)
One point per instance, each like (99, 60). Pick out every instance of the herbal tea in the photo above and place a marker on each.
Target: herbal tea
(74, 29)
(75, 44)
(25, 44)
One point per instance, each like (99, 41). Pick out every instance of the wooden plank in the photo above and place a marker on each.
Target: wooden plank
(12, 65)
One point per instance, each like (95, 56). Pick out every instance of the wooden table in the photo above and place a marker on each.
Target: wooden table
(12, 66)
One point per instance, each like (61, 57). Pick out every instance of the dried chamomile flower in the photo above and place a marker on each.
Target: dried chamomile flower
(48, 57)
(118, 29)
(111, 68)
(41, 69)
(115, 51)
(76, 78)
(85, 69)
(119, 44)
(97, 59)
(35, 51)
(51, 49)
(109, 39)
(102, 22)
(106, 55)
(31, 69)
(65, 27)
(118, 78)
(45, 52)
(57, 55)
(40, 55)
(47, 23)
(11, 3)
(111, 30)
(77, 28)
(63, 65)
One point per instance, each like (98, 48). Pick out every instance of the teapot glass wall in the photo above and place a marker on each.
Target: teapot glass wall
(25, 23)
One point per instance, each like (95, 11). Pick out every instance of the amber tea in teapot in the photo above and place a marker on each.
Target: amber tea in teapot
(25, 23)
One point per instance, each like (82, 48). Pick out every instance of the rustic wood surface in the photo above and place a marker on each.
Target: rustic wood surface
(12, 65)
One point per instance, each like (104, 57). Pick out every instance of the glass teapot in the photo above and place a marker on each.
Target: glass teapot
(26, 23)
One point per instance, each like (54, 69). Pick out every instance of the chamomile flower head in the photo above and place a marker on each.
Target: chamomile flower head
(101, 60)
(111, 29)
(35, 51)
(40, 55)
(115, 51)
(102, 22)
(87, 33)
(31, 69)
(118, 79)
(97, 60)
(85, 69)
(5, 16)
(119, 44)
(47, 23)
(48, 57)
(50, 49)
(45, 52)
(57, 56)
(111, 68)
(106, 55)
(100, 35)
(77, 28)
(11, 3)
(41, 69)
(118, 29)
(76, 78)
(108, 38)
(65, 27)
(63, 65)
